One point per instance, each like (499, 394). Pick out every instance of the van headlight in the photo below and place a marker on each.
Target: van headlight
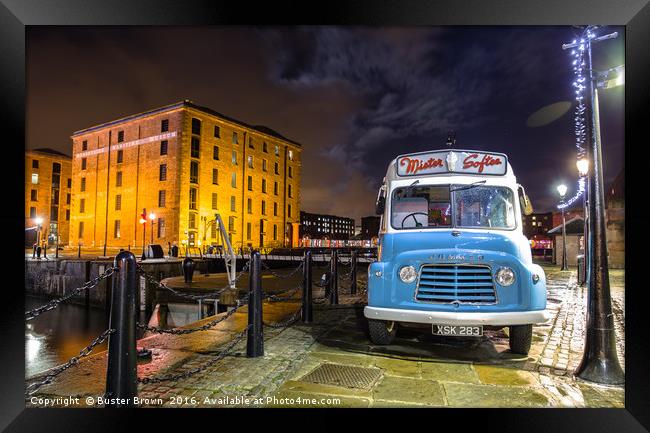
(407, 274)
(505, 276)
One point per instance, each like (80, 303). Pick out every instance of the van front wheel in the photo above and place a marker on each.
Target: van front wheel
(521, 337)
(382, 332)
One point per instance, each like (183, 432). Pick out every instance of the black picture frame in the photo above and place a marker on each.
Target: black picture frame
(16, 15)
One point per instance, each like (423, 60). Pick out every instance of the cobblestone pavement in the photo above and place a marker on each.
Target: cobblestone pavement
(418, 370)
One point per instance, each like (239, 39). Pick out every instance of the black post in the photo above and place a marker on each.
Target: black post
(34, 252)
(45, 251)
(79, 251)
(600, 361)
(307, 313)
(255, 337)
(334, 278)
(38, 252)
(121, 375)
(188, 269)
(565, 265)
(353, 272)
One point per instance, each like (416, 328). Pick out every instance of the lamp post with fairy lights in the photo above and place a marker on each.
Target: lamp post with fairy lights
(583, 169)
(152, 218)
(561, 189)
(599, 361)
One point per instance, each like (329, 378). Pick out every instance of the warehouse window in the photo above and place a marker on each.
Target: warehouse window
(81, 229)
(213, 231)
(83, 163)
(116, 229)
(217, 131)
(277, 151)
(84, 145)
(289, 191)
(192, 220)
(194, 172)
(275, 209)
(264, 165)
(231, 224)
(264, 185)
(118, 202)
(215, 153)
(233, 180)
(215, 176)
(56, 167)
(32, 212)
(34, 195)
(232, 204)
(250, 143)
(163, 147)
(276, 168)
(69, 183)
(161, 227)
(195, 147)
(250, 183)
(248, 231)
(193, 198)
(82, 205)
(234, 157)
(162, 173)
(250, 162)
(289, 210)
(164, 125)
(67, 198)
(196, 126)
(120, 156)
(291, 155)
(265, 147)
(118, 178)
(263, 207)
(214, 201)
(35, 178)
(120, 136)
(249, 205)
(290, 174)
(162, 195)
(82, 187)
(275, 232)
(67, 214)
(275, 188)
(235, 139)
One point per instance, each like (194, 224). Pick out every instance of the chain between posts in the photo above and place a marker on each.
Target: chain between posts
(32, 388)
(285, 323)
(150, 278)
(174, 377)
(205, 327)
(285, 297)
(32, 314)
(281, 276)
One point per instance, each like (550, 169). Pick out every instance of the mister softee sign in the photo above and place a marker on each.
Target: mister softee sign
(465, 162)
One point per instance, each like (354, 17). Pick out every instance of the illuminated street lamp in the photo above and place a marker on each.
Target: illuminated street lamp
(143, 221)
(561, 189)
(152, 217)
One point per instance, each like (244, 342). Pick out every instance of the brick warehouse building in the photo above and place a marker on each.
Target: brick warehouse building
(48, 191)
(184, 163)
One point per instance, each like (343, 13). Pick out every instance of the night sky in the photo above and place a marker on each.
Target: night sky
(354, 97)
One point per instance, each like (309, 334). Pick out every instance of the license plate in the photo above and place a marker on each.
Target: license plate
(458, 331)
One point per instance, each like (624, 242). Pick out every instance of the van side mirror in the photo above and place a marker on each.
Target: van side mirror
(380, 206)
(524, 201)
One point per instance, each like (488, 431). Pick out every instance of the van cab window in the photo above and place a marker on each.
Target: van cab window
(461, 206)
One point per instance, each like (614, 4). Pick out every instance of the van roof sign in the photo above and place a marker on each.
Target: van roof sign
(452, 161)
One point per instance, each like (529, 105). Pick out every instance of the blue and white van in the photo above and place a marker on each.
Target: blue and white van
(452, 255)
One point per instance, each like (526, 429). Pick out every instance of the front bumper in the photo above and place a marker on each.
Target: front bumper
(458, 318)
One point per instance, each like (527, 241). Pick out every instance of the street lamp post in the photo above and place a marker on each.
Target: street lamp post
(600, 360)
(583, 170)
(39, 222)
(561, 189)
(152, 217)
(143, 221)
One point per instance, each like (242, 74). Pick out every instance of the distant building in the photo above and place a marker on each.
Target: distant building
(574, 240)
(369, 227)
(537, 224)
(318, 226)
(48, 183)
(184, 163)
(615, 221)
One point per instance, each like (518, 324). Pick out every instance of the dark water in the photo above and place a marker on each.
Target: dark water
(57, 335)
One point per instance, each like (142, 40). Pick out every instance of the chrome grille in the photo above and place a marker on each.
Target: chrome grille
(456, 283)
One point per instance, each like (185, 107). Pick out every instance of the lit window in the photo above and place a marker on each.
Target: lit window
(233, 180)
(235, 140)
(291, 155)
(250, 162)
(35, 178)
(116, 229)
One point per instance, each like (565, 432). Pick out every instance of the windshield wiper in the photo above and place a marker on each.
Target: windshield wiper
(410, 187)
(471, 185)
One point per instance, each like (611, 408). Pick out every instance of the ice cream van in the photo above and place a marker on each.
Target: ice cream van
(452, 257)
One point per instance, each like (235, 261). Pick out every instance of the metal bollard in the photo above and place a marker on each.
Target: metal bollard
(353, 272)
(188, 269)
(255, 336)
(334, 278)
(45, 251)
(307, 313)
(79, 252)
(38, 252)
(121, 375)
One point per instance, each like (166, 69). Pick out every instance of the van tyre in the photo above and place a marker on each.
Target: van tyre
(521, 337)
(382, 332)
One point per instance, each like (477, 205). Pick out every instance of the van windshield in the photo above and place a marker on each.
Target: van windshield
(463, 206)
